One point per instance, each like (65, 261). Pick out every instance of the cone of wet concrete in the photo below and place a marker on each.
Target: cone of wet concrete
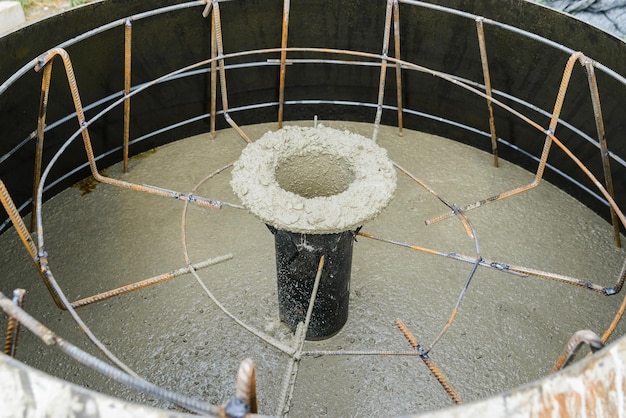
(314, 187)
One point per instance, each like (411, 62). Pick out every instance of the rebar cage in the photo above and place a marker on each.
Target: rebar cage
(527, 84)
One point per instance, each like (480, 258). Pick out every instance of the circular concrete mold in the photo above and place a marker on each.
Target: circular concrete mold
(478, 101)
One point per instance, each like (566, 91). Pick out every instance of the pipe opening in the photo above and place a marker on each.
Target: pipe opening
(312, 175)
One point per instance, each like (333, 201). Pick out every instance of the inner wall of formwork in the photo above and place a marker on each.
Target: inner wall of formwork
(519, 66)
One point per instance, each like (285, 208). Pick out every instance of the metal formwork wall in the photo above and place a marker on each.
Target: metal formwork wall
(530, 85)
(432, 37)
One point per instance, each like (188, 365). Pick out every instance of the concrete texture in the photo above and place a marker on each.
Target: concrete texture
(11, 16)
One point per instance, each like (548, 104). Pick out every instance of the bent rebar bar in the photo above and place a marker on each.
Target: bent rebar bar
(558, 105)
(13, 326)
(300, 336)
(432, 367)
(148, 282)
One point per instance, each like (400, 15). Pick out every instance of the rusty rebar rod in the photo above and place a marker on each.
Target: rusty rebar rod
(18, 222)
(383, 68)
(455, 311)
(396, 38)
(213, 79)
(604, 149)
(13, 325)
(558, 105)
(485, 64)
(128, 36)
(319, 353)
(283, 62)
(428, 362)
(300, 336)
(575, 342)
(213, 88)
(41, 126)
(455, 209)
(51, 339)
(618, 315)
(148, 282)
(27, 240)
(46, 60)
(512, 268)
(246, 385)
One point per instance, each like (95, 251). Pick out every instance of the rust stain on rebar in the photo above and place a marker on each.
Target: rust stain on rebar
(128, 35)
(432, 367)
(573, 345)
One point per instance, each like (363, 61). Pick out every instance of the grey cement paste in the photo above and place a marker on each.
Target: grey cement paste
(315, 180)
(509, 329)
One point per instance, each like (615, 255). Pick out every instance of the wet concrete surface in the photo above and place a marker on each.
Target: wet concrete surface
(509, 330)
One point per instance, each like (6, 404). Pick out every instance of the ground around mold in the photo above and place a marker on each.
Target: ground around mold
(40, 9)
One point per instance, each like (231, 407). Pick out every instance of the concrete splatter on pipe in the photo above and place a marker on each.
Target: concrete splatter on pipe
(314, 188)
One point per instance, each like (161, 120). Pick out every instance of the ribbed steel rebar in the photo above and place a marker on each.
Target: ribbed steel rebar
(396, 37)
(291, 373)
(27, 241)
(50, 338)
(46, 60)
(573, 345)
(604, 149)
(128, 36)
(432, 367)
(514, 269)
(222, 70)
(558, 105)
(41, 125)
(246, 385)
(485, 64)
(283, 62)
